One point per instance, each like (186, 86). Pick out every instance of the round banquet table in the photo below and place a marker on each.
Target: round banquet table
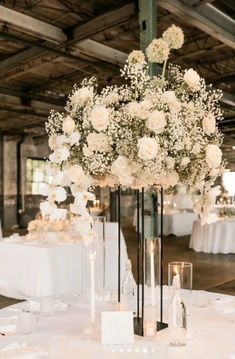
(218, 237)
(63, 335)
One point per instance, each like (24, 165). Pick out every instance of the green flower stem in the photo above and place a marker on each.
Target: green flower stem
(163, 72)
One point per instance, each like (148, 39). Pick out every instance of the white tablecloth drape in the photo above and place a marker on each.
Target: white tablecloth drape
(177, 223)
(218, 237)
(34, 270)
(211, 335)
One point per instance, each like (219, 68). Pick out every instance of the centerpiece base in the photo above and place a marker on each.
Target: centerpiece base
(139, 327)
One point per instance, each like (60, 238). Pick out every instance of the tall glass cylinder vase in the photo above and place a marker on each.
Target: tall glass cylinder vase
(94, 268)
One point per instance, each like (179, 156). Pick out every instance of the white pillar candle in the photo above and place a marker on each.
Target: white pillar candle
(92, 272)
(152, 273)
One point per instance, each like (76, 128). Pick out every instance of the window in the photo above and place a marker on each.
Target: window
(36, 175)
(229, 182)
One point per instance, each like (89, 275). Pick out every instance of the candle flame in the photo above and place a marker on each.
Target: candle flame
(92, 255)
(176, 270)
(151, 246)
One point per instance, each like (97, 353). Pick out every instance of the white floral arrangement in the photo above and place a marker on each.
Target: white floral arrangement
(153, 131)
(44, 225)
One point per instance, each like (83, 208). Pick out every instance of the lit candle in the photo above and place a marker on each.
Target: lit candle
(176, 279)
(92, 271)
(152, 273)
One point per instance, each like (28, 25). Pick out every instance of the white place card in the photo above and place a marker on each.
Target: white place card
(117, 327)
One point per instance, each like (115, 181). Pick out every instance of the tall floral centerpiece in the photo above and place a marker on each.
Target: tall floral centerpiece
(151, 131)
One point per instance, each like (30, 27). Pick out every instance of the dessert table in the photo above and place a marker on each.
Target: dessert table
(214, 238)
(64, 334)
(174, 222)
(32, 269)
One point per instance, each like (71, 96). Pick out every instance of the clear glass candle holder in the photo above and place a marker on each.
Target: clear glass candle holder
(25, 323)
(185, 272)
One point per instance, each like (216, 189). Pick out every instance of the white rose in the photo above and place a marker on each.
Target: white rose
(174, 37)
(87, 152)
(136, 57)
(98, 142)
(192, 79)
(133, 109)
(169, 97)
(121, 167)
(209, 124)
(148, 148)
(68, 125)
(185, 161)
(81, 96)
(111, 98)
(99, 118)
(158, 51)
(75, 174)
(156, 121)
(213, 156)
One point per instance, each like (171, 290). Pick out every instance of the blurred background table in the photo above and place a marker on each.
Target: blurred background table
(218, 237)
(31, 269)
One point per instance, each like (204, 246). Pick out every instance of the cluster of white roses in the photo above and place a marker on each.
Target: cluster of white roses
(152, 131)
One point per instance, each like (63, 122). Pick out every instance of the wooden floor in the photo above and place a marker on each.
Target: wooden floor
(210, 271)
(214, 272)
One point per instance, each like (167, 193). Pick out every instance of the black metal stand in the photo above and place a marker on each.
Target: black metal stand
(141, 245)
(139, 320)
(119, 244)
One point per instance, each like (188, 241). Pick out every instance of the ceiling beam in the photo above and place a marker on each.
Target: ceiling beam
(11, 101)
(207, 18)
(228, 99)
(103, 52)
(80, 32)
(104, 22)
(28, 96)
(31, 25)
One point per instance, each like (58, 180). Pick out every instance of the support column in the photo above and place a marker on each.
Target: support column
(1, 180)
(148, 26)
(10, 181)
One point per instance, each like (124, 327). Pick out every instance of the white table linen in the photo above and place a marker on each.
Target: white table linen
(177, 223)
(33, 270)
(218, 237)
(212, 335)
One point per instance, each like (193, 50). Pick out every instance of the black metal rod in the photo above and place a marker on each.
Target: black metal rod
(119, 244)
(161, 260)
(138, 252)
(142, 257)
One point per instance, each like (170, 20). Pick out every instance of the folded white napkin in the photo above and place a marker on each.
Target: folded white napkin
(23, 351)
(8, 325)
(34, 306)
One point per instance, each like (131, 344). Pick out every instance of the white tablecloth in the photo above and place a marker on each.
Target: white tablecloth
(218, 237)
(212, 336)
(177, 223)
(28, 270)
